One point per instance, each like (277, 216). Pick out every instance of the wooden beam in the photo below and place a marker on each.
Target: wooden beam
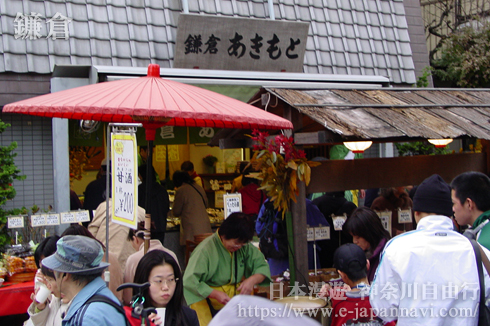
(316, 137)
(235, 143)
(337, 175)
(300, 246)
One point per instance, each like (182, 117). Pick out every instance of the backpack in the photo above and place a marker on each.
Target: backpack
(273, 238)
(106, 300)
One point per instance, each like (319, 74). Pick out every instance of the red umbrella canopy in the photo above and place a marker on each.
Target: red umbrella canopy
(152, 100)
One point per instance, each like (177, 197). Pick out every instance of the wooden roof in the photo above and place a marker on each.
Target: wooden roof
(394, 114)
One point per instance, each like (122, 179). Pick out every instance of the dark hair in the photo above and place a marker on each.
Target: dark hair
(85, 279)
(355, 272)
(386, 192)
(46, 248)
(142, 275)
(132, 233)
(187, 166)
(364, 222)
(180, 177)
(78, 229)
(47, 272)
(142, 171)
(237, 226)
(475, 186)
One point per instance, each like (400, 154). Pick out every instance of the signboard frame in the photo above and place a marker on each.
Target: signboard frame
(124, 197)
(229, 199)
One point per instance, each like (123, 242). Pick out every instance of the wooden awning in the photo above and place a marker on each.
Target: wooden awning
(385, 114)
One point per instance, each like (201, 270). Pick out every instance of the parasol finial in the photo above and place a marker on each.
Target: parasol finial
(153, 70)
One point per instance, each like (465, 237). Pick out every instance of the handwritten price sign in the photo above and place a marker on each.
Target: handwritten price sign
(338, 222)
(83, 216)
(53, 219)
(310, 234)
(68, 217)
(232, 203)
(15, 222)
(385, 218)
(38, 220)
(322, 233)
(405, 216)
(124, 174)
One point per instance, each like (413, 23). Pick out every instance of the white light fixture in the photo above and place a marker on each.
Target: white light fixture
(358, 146)
(440, 143)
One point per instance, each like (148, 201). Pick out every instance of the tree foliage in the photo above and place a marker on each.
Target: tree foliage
(8, 173)
(458, 39)
(465, 59)
(418, 148)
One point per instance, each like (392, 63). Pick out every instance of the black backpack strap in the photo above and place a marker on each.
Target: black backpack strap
(104, 299)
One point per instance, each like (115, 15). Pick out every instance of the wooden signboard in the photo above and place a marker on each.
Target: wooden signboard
(229, 43)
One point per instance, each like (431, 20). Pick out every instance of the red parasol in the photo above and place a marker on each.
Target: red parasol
(150, 100)
(154, 102)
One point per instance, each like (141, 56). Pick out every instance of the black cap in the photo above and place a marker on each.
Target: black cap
(349, 258)
(433, 195)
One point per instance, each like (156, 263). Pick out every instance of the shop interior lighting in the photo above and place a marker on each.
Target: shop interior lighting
(358, 146)
(440, 143)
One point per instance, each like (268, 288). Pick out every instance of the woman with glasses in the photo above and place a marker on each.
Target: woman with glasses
(222, 266)
(166, 290)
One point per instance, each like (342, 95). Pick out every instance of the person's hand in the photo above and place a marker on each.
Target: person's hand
(246, 287)
(39, 306)
(325, 291)
(220, 296)
(155, 319)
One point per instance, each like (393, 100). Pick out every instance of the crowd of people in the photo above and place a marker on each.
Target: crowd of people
(423, 272)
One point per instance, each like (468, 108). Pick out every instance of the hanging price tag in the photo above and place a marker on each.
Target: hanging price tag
(405, 215)
(38, 220)
(338, 222)
(322, 233)
(15, 222)
(53, 219)
(385, 218)
(83, 216)
(68, 217)
(310, 234)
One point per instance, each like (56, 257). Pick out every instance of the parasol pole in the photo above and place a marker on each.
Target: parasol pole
(149, 182)
(150, 131)
(108, 168)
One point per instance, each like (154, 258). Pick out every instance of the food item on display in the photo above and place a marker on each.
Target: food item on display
(15, 265)
(30, 264)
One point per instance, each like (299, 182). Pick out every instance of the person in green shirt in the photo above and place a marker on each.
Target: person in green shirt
(223, 265)
(470, 194)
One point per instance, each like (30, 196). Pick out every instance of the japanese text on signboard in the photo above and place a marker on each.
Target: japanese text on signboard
(225, 43)
(124, 173)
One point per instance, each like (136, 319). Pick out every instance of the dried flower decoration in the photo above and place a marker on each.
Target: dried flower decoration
(280, 166)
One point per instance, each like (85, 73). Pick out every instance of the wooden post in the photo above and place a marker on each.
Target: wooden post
(486, 150)
(300, 243)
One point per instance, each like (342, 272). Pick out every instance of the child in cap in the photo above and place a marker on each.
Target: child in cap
(350, 304)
